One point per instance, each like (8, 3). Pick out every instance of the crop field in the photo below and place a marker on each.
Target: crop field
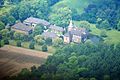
(13, 59)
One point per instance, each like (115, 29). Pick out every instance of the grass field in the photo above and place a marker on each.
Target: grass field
(13, 59)
(51, 49)
(112, 35)
(79, 5)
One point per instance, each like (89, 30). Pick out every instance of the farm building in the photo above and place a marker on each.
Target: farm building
(22, 28)
(31, 21)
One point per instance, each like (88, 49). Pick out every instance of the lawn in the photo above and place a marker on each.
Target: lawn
(79, 5)
(51, 49)
(112, 35)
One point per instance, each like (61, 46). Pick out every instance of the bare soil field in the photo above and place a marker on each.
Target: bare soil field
(13, 59)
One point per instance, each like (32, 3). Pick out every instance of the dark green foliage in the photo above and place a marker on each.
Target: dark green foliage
(48, 41)
(11, 20)
(2, 25)
(6, 41)
(1, 3)
(103, 34)
(107, 10)
(52, 2)
(81, 61)
(118, 26)
(0, 44)
(44, 48)
(19, 43)
(31, 46)
(38, 30)
(14, 1)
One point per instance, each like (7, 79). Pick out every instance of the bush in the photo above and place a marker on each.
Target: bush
(19, 43)
(48, 41)
(44, 48)
(103, 34)
(31, 46)
(6, 41)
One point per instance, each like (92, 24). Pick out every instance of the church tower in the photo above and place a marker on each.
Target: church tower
(70, 27)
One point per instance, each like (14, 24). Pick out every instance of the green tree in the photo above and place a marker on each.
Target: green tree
(11, 20)
(44, 48)
(19, 43)
(23, 11)
(48, 41)
(104, 24)
(61, 16)
(39, 39)
(1, 3)
(4, 33)
(103, 33)
(2, 25)
(118, 26)
(6, 41)
(57, 42)
(107, 77)
(32, 45)
(38, 30)
(84, 24)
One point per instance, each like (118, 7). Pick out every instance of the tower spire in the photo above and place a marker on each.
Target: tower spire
(70, 27)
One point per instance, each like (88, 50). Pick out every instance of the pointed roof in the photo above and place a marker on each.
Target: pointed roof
(71, 24)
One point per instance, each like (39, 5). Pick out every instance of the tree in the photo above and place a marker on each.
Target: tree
(107, 77)
(84, 24)
(61, 16)
(23, 11)
(4, 33)
(38, 30)
(41, 9)
(48, 41)
(52, 2)
(57, 42)
(32, 45)
(14, 1)
(44, 48)
(6, 41)
(19, 43)
(103, 33)
(1, 3)
(2, 25)
(11, 20)
(39, 39)
(104, 24)
(18, 36)
(118, 26)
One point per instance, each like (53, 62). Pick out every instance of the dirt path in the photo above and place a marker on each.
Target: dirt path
(13, 59)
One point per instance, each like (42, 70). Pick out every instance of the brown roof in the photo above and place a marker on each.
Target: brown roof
(37, 21)
(54, 27)
(49, 35)
(22, 27)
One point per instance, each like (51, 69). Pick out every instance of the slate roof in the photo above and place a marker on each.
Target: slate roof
(57, 28)
(76, 32)
(49, 35)
(37, 21)
(22, 27)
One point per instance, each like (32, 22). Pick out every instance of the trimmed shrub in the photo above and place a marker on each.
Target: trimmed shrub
(44, 48)
(6, 41)
(31, 46)
(48, 41)
(19, 43)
